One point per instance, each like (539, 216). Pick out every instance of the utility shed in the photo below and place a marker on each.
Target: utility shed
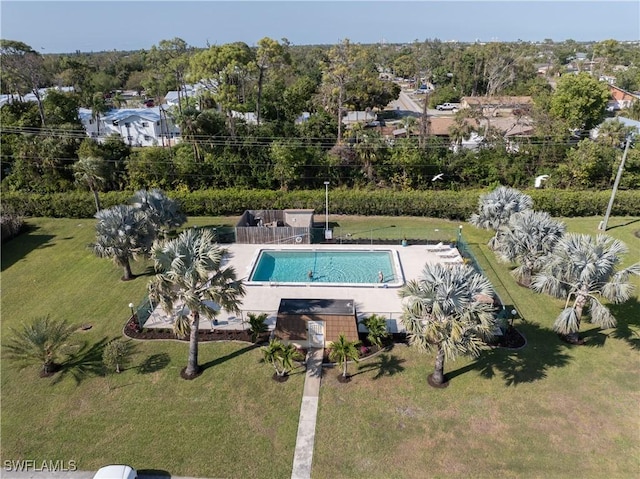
(316, 322)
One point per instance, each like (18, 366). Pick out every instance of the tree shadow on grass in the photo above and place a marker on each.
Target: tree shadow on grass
(544, 350)
(16, 248)
(154, 363)
(149, 271)
(385, 364)
(232, 355)
(628, 317)
(85, 362)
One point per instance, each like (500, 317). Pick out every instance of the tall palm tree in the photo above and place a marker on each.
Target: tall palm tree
(527, 239)
(98, 107)
(42, 342)
(162, 212)
(122, 234)
(495, 209)
(190, 274)
(581, 268)
(89, 170)
(446, 310)
(342, 351)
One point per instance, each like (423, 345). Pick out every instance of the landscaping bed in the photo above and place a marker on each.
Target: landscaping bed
(132, 330)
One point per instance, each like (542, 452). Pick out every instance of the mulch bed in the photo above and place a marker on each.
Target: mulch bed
(132, 330)
(512, 339)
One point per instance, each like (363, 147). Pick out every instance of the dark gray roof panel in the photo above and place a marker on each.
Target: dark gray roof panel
(317, 306)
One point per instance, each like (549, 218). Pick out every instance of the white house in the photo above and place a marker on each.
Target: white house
(352, 117)
(136, 126)
(188, 91)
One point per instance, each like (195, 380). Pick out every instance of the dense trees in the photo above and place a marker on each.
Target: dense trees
(580, 100)
(278, 81)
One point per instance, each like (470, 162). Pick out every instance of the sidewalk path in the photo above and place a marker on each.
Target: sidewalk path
(303, 455)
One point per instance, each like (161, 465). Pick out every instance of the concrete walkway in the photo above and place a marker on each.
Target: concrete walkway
(303, 455)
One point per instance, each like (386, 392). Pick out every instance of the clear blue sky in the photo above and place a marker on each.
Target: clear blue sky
(58, 27)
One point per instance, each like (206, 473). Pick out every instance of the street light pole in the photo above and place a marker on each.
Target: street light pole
(326, 210)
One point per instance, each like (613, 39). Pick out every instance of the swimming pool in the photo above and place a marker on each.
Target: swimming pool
(327, 267)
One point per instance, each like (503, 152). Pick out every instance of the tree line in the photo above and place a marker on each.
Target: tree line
(42, 141)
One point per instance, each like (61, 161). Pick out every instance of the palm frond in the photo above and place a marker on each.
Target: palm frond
(567, 321)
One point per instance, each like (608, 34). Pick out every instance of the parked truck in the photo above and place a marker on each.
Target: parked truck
(448, 106)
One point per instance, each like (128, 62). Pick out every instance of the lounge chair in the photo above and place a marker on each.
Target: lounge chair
(452, 253)
(438, 247)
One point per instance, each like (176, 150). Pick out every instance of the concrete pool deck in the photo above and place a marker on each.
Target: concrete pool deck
(265, 298)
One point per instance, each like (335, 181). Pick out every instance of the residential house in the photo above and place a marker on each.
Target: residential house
(620, 98)
(136, 126)
(188, 91)
(497, 105)
(353, 117)
(628, 122)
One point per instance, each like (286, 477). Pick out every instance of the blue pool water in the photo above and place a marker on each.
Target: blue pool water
(332, 266)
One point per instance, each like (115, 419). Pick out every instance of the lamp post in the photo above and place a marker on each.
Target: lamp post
(327, 235)
(131, 308)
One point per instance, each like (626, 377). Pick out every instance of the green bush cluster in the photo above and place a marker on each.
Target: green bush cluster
(448, 204)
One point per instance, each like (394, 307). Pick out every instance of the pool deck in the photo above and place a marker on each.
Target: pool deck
(265, 298)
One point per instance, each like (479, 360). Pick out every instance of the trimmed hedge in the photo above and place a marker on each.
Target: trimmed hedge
(455, 205)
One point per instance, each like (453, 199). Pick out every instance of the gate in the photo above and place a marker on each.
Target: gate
(316, 334)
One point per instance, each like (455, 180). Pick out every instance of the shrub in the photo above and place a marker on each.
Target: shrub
(446, 204)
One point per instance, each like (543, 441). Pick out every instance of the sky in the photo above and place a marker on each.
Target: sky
(64, 27)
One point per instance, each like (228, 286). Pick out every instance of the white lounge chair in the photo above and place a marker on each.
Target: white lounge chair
(452, 253)
(438, 247)
(456, 260)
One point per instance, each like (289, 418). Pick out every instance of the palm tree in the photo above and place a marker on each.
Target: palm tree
(42, 342)
(98, 107)
(122, 233)
(342, 351)
(446, 310)
(377, 329)
(495, 209)
(89, 170)
(527, 239)
(257, 325)
(581, 268)
(162, 212)
(280, 356)
(191, 275)
(461, 129)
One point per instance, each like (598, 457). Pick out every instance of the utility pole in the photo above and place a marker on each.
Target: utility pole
(603, 224)
(424, 127)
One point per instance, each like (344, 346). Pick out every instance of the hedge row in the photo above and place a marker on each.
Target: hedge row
(455, 205)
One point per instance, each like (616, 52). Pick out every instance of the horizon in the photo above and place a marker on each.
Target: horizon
(63, 27)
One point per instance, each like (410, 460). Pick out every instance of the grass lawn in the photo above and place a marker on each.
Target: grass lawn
(548, 410)
(233, 421)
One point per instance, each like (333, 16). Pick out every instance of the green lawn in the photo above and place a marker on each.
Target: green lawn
(233, 421)
(549, 410)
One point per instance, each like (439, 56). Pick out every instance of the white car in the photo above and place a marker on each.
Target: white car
(116, 471)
